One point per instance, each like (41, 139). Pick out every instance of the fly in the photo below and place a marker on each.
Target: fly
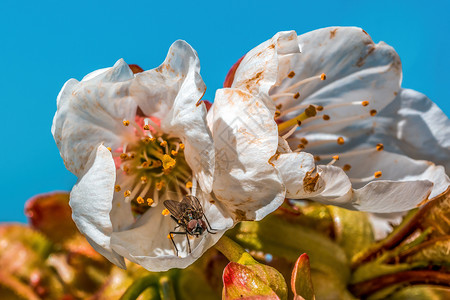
(188, 214)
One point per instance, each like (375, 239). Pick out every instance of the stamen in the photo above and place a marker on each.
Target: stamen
(127, 193)
(331, 123)
(160, 185)
(373, 112)
(188, 184)
(150, 201)
(346, 167)
(194, 186)
(365, 103)
(379, 147)
(335, 158)
(377, 174)
(126, 122)
(369, 178)
(326, 117)
(117, 188)
(181, 146)
(297, 95)
(317, 158)
(140, 200)
(123, 156)
(340, 140)
(281, 95)
(174, 153)
(146, 126)
(291, 74)
(109, 148)
(144, 179)
(343, 104)
(304, 81)
(165, 212)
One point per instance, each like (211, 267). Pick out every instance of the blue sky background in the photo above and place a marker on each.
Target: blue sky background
(44, 43)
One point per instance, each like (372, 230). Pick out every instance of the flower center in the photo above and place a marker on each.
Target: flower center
(150, 164)
(307, 118)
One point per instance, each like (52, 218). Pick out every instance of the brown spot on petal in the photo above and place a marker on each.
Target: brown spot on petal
(333, 33)
(135, 69)
(240, 215)
(362, 60)
(310, 182)
(273, 157)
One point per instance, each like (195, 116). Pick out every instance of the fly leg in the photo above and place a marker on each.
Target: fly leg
(209, 225)
(171, 238)
(189, 244)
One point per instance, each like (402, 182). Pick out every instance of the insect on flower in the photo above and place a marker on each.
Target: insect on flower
(188, 213)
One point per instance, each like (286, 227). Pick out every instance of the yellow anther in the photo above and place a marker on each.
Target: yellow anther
(326, 117)
(297, 95)
(146, 164)
(123, 156)
(170, 236)
(340, 140)
(168, 161)
(377, 174)
(144, 179)
(291, 74)
(132, 155)
(174, 153)
(157, 164)
(181, 146)
(319, 107)
(304, 141)
(159, 185)
(146, 139)
(323, 76)
(277, 113)
(163, 143)
(188, 184)
(126, 122)
(346, 167)
(126, 169)
(365, 103)
(109, 148)
(150, 201)
(380, 147)
(117, 188)
(336, 157)
(373, 112)
(317, 158)
(140, 200)
(127, 193)
(146, 127)
(165, 212)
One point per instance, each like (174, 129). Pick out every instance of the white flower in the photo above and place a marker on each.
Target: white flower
(135, 140)
(348, 134)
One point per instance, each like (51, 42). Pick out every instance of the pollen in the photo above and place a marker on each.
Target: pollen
(297, 95)
(146, 127)
(373, 112)
(117, 188)
(144, 179)
(340, 140)
(150, 201)
(380, 147)
(291, 74)
(377, 174)
(168, 162)
(126, 122)
(323, 76)
(325, 117)
(346, 167)
(165, 212)
(365, 103)
(189, 184)
(140, 200)
(127, 193)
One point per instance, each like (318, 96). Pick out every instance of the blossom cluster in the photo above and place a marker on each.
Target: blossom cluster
(320, 116)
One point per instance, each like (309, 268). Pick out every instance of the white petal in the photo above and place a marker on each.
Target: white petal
(245, 138)
(337, 187)
(147, 244)
(382, 223)
(90, 201)
(295, 169)
(356, 70)
(91, 112)
(171, 92)
(259, 69)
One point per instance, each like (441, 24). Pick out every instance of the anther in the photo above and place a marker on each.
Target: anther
(174, 153)
(163, 143)
(323, 76)
(159, 185)
(297, 95)
(365, 103)
(346, 167)
(123, 156)
(150, 201)
(319, 107)
(310, 111)
(377, 174)
(304, 141)
(127, 193)
(317, 158)
(165, 212)
(126, 169)
(299, 123)
(291, 74)
(279, 106)
(277, 113)
(126, 122)
(325, 117)
(146, 127)
(144, 179)
(188, 184)
(117, 188)
(301, 146)
(170, 236)
(109, 148)
(373, 112)
(380, 147)
(181, 146)
(336, 157)
(145, 164)
(340, 140)
(140, 200)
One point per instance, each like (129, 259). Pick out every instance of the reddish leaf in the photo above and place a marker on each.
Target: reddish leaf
(301, 283)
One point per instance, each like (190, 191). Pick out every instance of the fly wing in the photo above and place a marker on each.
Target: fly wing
(175, 208)
(194, 203)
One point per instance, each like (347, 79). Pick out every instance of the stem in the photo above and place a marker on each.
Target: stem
(365, 288)
(135, 289)
(233, 251)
